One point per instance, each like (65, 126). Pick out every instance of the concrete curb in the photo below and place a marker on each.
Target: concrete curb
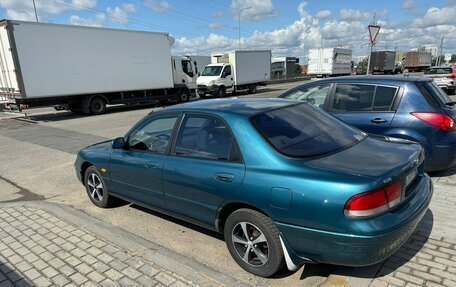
(180, 265)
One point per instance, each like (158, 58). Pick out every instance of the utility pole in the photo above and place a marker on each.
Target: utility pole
(240, 24)
(438, 62)
(36, 14)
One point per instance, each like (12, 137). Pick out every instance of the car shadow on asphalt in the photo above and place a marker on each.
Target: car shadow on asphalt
(443, 173)
(411, 247)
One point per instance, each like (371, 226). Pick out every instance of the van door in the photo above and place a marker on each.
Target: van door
(188, 74)
(227, 78)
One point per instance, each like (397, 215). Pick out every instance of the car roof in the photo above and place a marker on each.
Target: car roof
(240, 106)
(377, 79)
(441, 67)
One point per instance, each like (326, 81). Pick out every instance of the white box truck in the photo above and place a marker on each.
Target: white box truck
(86, 68)
(329, 62)
(234, 72)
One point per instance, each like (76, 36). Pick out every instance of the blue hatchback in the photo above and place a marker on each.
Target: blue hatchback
(412, 108)
(282, 180)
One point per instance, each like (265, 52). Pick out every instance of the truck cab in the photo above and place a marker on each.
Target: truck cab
(216, 79)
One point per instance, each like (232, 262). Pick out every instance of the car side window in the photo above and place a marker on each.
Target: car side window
(206, 137)
(314, 95)
(353, 97)
(384, 97)
(153, 136)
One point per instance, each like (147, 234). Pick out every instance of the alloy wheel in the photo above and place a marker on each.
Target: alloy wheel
(250, 244)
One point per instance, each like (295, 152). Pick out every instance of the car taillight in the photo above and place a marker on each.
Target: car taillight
(375, 202)
(441, 121)
(452, 76)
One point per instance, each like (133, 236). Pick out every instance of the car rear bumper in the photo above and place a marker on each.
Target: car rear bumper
(446, 85)
(443, 157)
(311, 245)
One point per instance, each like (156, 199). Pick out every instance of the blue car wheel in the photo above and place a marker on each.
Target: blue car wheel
(253, 241)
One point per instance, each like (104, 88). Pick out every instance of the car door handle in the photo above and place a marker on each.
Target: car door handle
(224, 177)
(151, 165)
(378, 120)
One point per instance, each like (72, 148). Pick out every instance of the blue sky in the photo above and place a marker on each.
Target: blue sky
(286, 27)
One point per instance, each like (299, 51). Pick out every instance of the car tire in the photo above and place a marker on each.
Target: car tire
(97, 106)
(252, 89)
(184, 95)
(221, 92)
(96, 188)
(262, 242)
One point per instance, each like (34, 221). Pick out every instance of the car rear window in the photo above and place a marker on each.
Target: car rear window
(303, 131)
(437, 94)
(438, 71)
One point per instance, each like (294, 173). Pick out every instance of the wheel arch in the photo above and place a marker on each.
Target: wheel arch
(84, 166)
(228, 209)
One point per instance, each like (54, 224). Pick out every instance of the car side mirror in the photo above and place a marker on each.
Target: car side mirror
(223, 75)
(119, 143)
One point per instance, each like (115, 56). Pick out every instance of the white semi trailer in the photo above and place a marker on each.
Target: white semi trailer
(329, 62)
(86, 68)
(234, 72)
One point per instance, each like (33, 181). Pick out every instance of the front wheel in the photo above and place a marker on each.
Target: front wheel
(221, 92)
(184, 95)
(96, 188)
(97, 106)
(253, 241)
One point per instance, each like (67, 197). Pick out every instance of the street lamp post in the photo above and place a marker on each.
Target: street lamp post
(34, 7)
(240, 25)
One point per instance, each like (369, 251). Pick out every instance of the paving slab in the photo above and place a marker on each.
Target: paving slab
(111, 256)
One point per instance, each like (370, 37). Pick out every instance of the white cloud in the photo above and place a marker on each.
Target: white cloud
(16, 15)
(323, 14)
(98, 21)
(437, 16)
(120, 14)
(157, 6)
(85, 3)
(301, 9)
(409, 5)
(360, 15)
(256, 10)
(216, 25)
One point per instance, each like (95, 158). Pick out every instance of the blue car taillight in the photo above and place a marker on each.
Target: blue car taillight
(375, 202)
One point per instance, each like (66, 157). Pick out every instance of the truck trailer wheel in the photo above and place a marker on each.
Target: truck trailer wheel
(97, 106)
(221, 92)
(252, 89)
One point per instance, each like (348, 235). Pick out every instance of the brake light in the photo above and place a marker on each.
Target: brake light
(375, 202)
(452, 76)
(441, 121)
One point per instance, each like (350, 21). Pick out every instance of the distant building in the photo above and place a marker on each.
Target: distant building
(283, 67)
(360, 59)
(434, 50)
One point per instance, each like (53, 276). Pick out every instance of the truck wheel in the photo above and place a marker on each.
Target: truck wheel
(221, 93)
(184, 95)
(97, 106)
(252, 89)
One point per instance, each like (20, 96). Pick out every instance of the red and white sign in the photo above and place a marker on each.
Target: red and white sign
(373, 32)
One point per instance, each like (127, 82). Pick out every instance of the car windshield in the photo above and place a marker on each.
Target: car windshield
(212, 71)
(303, 131)
(438, 71)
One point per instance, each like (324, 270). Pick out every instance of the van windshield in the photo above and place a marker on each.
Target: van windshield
(303, 131)
(212, 71)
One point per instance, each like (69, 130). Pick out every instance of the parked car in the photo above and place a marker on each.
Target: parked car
(444, 77)
(410, 108)
(282, 180)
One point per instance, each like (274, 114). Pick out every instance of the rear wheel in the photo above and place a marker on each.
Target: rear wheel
(253, 241)
(252, 89)
(97, 105)
(221, 92)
